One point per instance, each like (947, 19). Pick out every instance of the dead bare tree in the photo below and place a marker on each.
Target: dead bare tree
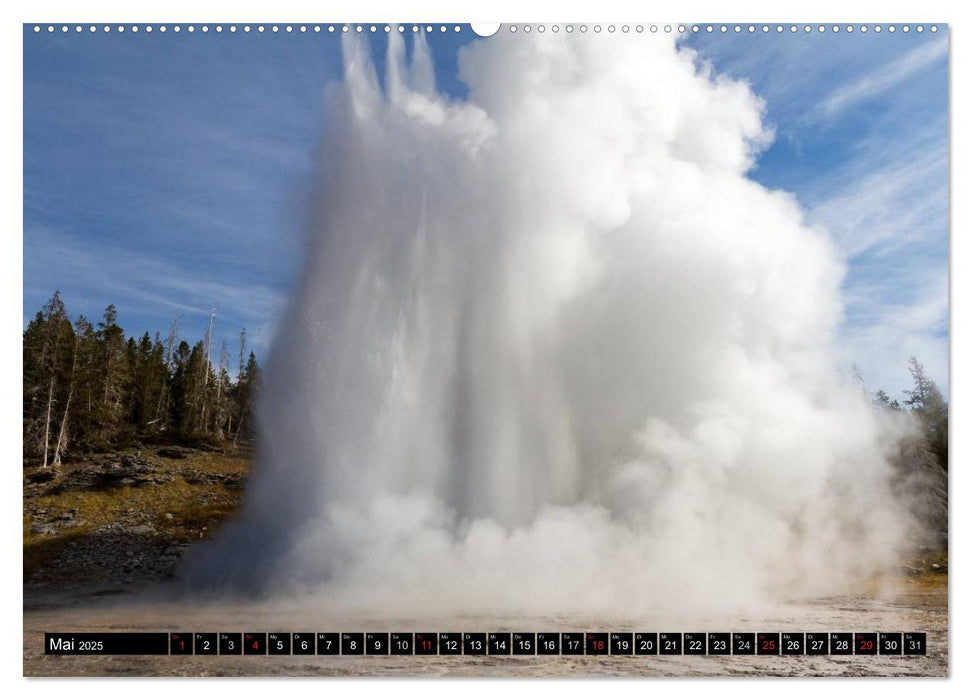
(205, 369)
(47, 422)
(239, 379)
(62, 433)
(169, 345)
(54, 312)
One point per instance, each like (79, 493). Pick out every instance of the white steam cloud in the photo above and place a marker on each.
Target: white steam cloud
(554, 351)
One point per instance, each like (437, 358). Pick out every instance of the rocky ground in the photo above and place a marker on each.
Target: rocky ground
(121, 521)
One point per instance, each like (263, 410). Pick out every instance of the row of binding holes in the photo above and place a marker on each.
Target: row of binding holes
(260, 28)
(569, 28)
(723, 28)
(806, 28)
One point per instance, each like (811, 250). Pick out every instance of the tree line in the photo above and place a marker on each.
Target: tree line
(921, 460)
(927, 404)
(89, 388)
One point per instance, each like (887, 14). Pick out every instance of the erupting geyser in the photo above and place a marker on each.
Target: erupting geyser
(554, 351)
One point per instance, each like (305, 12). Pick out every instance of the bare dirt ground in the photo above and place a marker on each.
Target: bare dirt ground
(917, 605)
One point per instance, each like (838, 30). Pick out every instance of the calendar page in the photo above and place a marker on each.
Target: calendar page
(516, 349)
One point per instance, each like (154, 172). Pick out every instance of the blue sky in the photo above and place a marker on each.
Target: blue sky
(168, 173)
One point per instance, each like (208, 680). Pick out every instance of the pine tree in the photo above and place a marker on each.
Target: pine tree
(220, 409)
(34, 372)
(884, 401)
(247, 385)
(927, 403)
(198, 376)
(920, 463)
(115, 377)
(180, 389)
(87, 406)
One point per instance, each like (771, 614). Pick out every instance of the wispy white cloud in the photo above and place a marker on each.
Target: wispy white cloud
(888, 212)
(887, 208)
(884, 78)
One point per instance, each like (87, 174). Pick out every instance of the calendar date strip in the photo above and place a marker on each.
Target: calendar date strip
(486, 643)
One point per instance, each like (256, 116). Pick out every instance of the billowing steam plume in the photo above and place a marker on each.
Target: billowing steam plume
(554, 351)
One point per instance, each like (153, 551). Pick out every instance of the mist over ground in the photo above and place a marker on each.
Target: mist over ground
(553, 350)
